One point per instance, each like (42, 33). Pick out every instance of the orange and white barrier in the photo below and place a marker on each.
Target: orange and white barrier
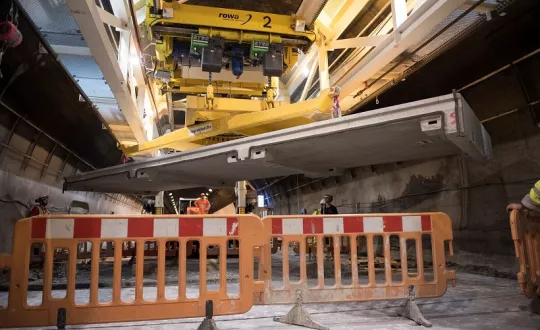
(252, 237)
(64, 232)
(410, 227)
(525, 228)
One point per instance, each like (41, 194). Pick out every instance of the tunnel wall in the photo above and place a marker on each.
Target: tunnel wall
(24, 178)
(473, 193)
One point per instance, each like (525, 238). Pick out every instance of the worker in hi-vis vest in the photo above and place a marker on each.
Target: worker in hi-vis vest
(203, 204)
(531, 201)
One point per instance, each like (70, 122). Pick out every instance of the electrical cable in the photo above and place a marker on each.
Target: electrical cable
(14, 201)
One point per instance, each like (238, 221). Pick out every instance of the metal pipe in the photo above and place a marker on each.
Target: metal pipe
(29, 157)
(44, 133)
(176, 30)
(489, 75)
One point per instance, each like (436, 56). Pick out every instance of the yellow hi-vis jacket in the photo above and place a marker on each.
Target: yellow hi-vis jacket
(532, 199)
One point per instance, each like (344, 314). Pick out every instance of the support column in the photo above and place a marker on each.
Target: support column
(241, 193)
(324, 75)
(159, 203)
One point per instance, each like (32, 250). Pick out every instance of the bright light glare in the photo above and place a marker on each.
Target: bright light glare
(305, 71)
(133, 59)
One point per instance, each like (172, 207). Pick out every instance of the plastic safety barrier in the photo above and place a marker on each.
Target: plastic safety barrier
(387, 254)
(525, 228)
(373, 236)
(66, 233)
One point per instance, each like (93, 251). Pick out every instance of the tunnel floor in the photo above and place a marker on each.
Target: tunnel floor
(477, 302)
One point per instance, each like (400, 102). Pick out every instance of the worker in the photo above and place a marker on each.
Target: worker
(326, 205)
(41, 207)
(203, 204)
(530, 202)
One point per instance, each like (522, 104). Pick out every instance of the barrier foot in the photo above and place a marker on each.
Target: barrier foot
(412, 312)
(61, 319)
(299, 316)
(534, 306)
(208, 323)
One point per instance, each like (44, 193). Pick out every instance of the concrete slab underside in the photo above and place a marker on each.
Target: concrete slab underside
(421, 129)
(478, 302)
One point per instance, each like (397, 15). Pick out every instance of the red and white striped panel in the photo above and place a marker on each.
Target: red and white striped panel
(351, 225)
(51, 228)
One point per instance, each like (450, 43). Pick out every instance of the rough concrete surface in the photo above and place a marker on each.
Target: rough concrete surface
(473, 193)
(477, 302)
(17, 188)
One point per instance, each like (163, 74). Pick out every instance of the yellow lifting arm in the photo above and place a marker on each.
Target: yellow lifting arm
(231, 124)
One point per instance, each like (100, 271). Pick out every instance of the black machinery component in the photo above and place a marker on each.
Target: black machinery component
(273, 61)
(212, 55)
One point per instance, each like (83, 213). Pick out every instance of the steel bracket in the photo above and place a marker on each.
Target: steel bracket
(299, 316)
(412, 312)
(61, 319)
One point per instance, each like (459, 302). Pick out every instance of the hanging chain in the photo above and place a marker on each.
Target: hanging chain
(336, 108)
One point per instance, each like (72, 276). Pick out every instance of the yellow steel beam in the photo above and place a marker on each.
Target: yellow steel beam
(236, 123)
(228, 19)
(201, 89)
(120, 128)
(240, 35)
(276, 126)
(226, 104)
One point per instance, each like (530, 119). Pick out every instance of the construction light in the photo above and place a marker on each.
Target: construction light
(170, 194)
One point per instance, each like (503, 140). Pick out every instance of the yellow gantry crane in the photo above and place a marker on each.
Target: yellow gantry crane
(227, 64)
(237, 73)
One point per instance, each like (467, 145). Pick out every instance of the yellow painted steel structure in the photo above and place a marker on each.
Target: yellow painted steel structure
(235, 123)
(221, 18)
(252, 106)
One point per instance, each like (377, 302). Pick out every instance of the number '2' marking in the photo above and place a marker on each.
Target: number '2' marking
(268, 21)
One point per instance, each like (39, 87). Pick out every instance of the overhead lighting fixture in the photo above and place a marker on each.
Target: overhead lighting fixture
(170, 194)
(210, 190)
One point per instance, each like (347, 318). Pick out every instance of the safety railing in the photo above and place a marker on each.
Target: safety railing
(525, 228)
(358, 258)
(65, 236)
(278, 260)
(373, 236)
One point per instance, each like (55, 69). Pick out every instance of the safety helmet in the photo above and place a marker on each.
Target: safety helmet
(42, 198)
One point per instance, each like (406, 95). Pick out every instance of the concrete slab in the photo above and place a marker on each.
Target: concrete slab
(478, 302)
(428, 128)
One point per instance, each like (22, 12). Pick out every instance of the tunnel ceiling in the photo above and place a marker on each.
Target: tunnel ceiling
(37, 87)
(491, 47)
